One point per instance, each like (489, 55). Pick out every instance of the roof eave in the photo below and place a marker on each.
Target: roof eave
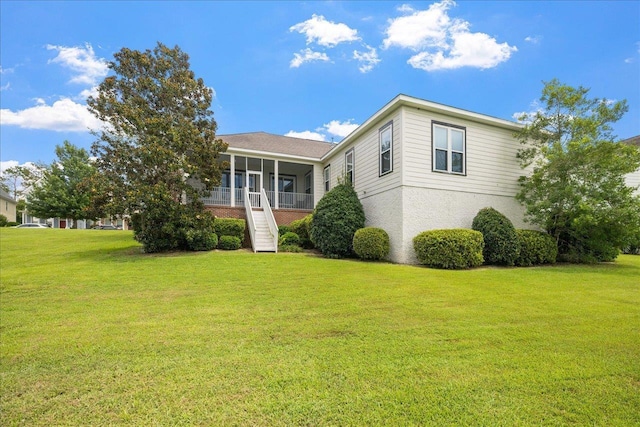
(420, 104)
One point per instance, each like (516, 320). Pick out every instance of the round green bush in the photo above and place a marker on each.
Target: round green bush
(301, 227)
(290, 248)
(500, 241)
(451, 249)
(536, 248)
(3, 221)
(230, 227)
(201, 240)
(283, 229)
(371, 243)
(288, 239)
(229, 243)
(335, 220)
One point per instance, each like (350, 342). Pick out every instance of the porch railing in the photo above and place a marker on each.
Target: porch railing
(221, 196)
(300, 201)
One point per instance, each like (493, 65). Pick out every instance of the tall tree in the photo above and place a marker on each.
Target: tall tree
(576, 187)
(159, 139)
(18, 180)
(59, 192)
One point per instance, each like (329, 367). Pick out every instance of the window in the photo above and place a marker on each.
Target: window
(448, 148)
(286, 183)
(348, 166)
(327, 178)
(307, 183)
(386, 149)
(226, 179)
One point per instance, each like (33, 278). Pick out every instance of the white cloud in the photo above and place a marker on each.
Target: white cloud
(442, 42)
(307, 134)
(340, 129)
(5, 87)
(325, 33)
(307, 55)
(334, 127)
(64, 115)
(629, 61)
(533, 39)
(88, 69)
(526, 117)
(4, 165)
(6, 70)
(469, 50)
(420, 29)
(367, 59)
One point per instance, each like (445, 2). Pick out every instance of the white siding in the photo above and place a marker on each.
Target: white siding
(368, 181)
(633, 180)
(491, 164)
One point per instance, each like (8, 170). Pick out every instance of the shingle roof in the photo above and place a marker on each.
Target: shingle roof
(267, 142)
(6, 196)
(634, 140)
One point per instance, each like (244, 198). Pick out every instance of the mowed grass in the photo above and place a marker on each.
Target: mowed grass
(93, 332)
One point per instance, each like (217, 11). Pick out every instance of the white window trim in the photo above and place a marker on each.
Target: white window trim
(308, 189)
(449, 127)
(353, 165)
(387, 127)
(326, 176)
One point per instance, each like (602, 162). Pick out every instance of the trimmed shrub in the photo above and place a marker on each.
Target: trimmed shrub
(302, 228)
(371, 243)
(289, 239)
(452, 249)
(283, 229)
(337, 217)
(3, 221)
(536, 248)
(12, 223)
(500, 240)
(201, 240)
(289, 248)
(164, 225)
(229, 243)
(230, 227)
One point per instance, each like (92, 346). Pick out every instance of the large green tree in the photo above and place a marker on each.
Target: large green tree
(59, 192)
(159, 139)
(575, 187)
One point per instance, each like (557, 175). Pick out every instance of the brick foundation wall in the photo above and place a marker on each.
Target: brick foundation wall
(283, 216)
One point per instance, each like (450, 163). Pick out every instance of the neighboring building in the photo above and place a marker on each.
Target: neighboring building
(8, 206)
(415, 165)
(633, 180)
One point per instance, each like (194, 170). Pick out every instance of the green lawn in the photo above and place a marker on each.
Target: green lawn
(95, 333)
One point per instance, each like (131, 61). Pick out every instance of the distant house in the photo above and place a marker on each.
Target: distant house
(8, 206)
(633, 180)
(415, 165)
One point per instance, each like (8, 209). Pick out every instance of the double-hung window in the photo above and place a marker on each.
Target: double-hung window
(327, 178)
(448, 148)
(386, 149)
(349, 165)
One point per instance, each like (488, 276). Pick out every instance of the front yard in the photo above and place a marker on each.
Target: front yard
(95, 333)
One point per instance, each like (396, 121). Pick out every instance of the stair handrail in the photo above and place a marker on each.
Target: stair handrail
(250, 224)
(271, 220)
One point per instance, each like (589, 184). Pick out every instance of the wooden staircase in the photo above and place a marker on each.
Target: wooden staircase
(263, 238)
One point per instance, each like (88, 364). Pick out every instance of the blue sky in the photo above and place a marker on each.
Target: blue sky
(314, 69)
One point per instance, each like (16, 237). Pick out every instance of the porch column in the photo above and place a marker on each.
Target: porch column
(232, 178)
(275, 183)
